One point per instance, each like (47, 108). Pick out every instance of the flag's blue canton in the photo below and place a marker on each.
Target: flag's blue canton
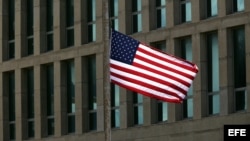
(123, 47)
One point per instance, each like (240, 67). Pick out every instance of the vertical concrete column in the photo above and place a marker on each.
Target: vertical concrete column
(146, 17)
(195, 6)
(4, 116)
(21, 106)
(78, 22)
(122, 16)
(59, 24)
(247, 5)
(170, 13)
(222, 10)
(199, 91)
(149, 110)
(20, 28)
(39, 26)
(225, 66)
(59, 100)
(3, 29)
(99, 92)
(39, 99)
(126, 107)
(247, 36)
(79, 95)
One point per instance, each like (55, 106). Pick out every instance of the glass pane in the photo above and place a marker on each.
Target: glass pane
(164, 111)
(117, 95)
(240, 100)
(239, 58)
(30, 92)
(70, 13)
(92, 82)
(71, 86)
(11, 51)
(188, 12)
(30, 46)
(214, 8)
(50, 89)
(240, 5)
(140, 114)
(216, 104)
(92, 121)
(115, 116)
(31, 129)
(49, 14)
(12, 131)
(49, 42)
(91, 10)
(70, 37)
(11, 19)
(30, 18)
(11, 89)
(51, 126)
(190, 107)
(71, 124)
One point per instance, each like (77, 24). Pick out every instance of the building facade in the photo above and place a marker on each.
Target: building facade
(52, 80)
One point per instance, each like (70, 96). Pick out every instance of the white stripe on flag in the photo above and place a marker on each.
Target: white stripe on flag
(178, 84)
(142, 88)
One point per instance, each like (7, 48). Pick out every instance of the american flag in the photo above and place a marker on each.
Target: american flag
(147, 71)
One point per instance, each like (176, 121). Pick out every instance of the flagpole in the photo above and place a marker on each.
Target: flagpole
(106, 74)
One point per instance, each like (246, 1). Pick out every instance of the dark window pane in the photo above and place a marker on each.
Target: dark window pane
(92, 82)
(30, 46)
(50, 42)
(70, 12)
(11, 51)
(12, 131)
(115, 118)
(160, 111)
(31, 129)
(30, 17)
(239, 58)
(49, 15)
(51, 126)
(71, 124)
(240, 100)
(50, 89)
(70, 37)
(11, 80)
(92, 121)
(11, 19)
(30, 92)
(70, 87)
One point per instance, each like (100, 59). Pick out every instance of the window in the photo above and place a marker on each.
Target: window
(161, 45)
(9, 90)
(238, 5)
(11, 23)
(160, 13)
(92, 101)
(49, 19)
(138, 108)
(70, 22)
(114, 14)
(115, 103)
(30, 26)
(49, 70)
(239, 62)
(213, 73)
(186, 53)
(212, 8)
(91, 20)
(234, 6)
(186, 11)
(70, 88)
(29, 77)
(136, 16)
